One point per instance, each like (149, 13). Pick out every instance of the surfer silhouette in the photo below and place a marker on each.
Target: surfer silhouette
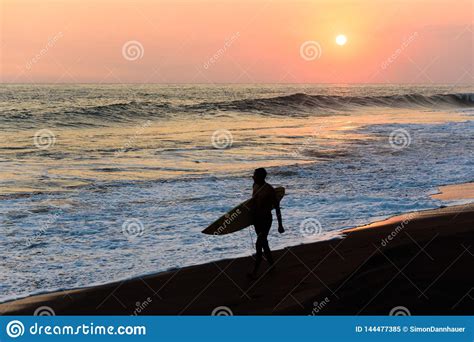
(264, 199)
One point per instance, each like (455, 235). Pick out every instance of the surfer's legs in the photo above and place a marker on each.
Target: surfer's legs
(262, 248)
(262, 227)
(258, 257)
(267, 251)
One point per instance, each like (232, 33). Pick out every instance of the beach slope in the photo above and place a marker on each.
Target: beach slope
(417, 263)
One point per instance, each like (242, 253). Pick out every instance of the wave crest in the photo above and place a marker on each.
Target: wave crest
(337, 103)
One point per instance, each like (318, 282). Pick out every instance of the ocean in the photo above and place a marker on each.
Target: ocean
(106, 182)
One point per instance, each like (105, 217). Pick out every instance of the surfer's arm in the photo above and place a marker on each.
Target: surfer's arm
(276, 205)
(280, 223)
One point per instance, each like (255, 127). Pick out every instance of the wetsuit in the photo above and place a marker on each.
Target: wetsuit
(263, 201)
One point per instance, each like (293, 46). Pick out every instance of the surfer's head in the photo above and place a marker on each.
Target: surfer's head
(259, 175)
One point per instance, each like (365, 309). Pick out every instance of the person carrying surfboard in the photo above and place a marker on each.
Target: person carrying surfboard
(264, 199)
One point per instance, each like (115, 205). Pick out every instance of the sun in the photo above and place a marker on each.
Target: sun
(341, 39)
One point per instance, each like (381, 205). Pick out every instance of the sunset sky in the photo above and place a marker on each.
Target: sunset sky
(258, 41)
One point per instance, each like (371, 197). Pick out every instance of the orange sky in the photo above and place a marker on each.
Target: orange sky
(258, 41)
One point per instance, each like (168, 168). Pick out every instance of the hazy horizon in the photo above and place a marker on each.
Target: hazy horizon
(230, 83)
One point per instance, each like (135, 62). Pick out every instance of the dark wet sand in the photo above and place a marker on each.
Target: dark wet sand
(426, 267)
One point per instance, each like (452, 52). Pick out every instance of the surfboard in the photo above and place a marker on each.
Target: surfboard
(237, 218)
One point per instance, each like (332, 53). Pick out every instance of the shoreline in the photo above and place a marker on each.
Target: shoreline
(424, 264)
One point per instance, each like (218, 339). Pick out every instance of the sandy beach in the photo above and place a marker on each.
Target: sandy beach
(455, 191)
(418, 261)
